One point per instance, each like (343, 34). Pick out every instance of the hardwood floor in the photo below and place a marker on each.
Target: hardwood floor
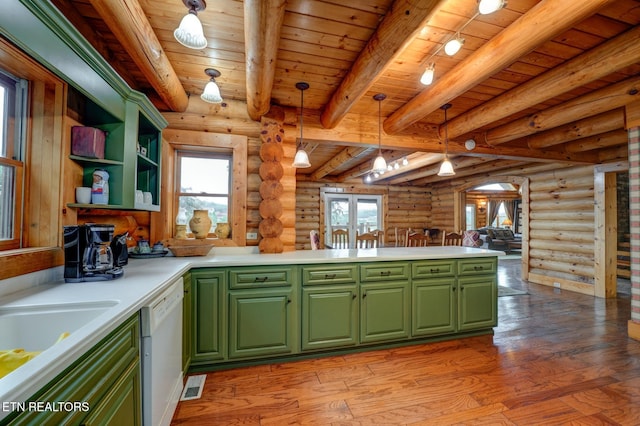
(556, 358)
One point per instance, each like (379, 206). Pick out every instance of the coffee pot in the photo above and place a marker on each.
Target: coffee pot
(98, 257)
(92, 254)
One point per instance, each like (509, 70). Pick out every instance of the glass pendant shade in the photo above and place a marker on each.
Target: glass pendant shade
(301, 160)
(379, 164)
(427, 76)
(489, 6)
(211, 93)
(446, 168)
(453, 46)
(190, 33)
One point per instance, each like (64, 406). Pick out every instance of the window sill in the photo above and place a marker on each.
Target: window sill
(23, 261)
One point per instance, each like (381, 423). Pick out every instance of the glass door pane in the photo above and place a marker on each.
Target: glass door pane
(337, 214)
(367, 215)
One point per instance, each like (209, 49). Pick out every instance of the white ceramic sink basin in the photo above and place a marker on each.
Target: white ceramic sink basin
(37, 327)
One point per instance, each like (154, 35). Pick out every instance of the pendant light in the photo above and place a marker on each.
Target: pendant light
(379, 164)
(301, 160)
(453, 46)
(427, 76)
(446, 168)
(190, 32)
(211, 91)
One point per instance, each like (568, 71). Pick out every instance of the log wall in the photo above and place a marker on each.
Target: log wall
(561, 228)
(406, 208)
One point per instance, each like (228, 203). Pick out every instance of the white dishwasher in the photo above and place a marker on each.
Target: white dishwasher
(161, 334)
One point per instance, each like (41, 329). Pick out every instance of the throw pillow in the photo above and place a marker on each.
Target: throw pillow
(470, 239)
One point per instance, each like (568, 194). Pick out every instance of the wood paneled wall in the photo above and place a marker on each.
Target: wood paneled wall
(561, 228)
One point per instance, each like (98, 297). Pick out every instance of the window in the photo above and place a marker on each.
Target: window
(12, 119)
(470, 216)
(204, 183)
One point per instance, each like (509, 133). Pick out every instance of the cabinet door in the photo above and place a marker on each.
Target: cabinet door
(121, 406)
(434, 307)
(329, 317)
(478, 302)
(209, 316)
(187, 338)
(384, 311)
(262, 322)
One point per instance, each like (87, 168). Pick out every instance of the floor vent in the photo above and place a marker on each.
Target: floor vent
(193, 388)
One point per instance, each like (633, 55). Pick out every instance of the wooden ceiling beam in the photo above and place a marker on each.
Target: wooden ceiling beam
(262, 25)
(131, 27)
(524, 35)
(400, 26)
(596, 63)
(598, 101)
(602, 123)
(347, 154)
(603, 140)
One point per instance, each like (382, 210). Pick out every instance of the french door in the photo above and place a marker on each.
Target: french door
(357, 213)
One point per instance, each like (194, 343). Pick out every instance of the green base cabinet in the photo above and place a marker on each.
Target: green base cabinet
(329, 317)
(384, 311)
(478, 306)
(187, 323)
(434, 307)
(107, 378)
(209, 316)
(262, 322)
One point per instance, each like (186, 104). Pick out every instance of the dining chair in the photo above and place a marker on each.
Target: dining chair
(451, 239)
(340, 239)
(380, 236)
(401, 236)
(417, 239)
(367, 240)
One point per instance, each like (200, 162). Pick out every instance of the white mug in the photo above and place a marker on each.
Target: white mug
(148, 198)
(83, 195)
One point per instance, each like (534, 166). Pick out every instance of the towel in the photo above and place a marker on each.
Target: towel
(14, 358)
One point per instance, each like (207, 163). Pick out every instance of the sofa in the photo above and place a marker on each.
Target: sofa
(499, 239)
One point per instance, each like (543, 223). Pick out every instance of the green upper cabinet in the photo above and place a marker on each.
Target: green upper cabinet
(105, 99)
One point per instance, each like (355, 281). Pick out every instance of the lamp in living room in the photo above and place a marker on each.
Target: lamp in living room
(507, 223)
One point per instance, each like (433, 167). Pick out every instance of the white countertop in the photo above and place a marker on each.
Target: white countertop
(143, 280)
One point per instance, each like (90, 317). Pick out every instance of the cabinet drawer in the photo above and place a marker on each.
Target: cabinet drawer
(433, 268)
(340, 274)
(263, 276)
(475, 266)
(384, 271)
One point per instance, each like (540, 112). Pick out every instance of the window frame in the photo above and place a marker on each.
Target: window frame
(207, 154)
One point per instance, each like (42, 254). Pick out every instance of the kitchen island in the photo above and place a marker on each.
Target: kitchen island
(146, 279)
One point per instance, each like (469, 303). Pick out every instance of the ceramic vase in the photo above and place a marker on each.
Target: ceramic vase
(200, 224)
(223, 230)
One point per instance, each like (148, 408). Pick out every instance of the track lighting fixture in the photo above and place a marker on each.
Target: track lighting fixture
(486, 7)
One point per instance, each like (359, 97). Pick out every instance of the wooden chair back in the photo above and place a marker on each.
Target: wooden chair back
(451, 239)
(401, 236)
(340, 239)
(380, 236)
(417, 239)
(367, 240)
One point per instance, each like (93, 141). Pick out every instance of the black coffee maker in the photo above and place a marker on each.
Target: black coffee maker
(91, 253)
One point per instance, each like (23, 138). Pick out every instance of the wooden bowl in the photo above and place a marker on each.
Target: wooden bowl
(189, 247)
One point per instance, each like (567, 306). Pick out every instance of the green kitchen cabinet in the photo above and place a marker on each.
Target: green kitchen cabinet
(106, 378)
(477, 302)
(478, 293)
(329, 316)
(187, 323)
(209, 315)
(434, 305)
(263, 322)
(384, 311)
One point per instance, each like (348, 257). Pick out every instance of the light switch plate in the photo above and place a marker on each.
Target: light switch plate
(252, 235)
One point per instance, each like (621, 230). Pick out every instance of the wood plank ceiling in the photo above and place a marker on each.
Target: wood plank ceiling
(536, 83)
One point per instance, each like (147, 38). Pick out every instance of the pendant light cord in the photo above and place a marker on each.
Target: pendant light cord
(380, 127)
(446, 135)
(301, 118)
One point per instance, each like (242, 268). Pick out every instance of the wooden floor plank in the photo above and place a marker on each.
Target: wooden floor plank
(556, 358)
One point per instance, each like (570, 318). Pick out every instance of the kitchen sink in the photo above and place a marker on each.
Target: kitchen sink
(37, 327)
